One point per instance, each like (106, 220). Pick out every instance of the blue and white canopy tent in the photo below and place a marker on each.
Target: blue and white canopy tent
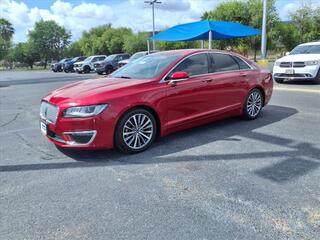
(206, 30)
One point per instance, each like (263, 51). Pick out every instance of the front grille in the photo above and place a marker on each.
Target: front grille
(96, 65)
(49, 112)
(286, 64)
(299, 64)
(292, 64)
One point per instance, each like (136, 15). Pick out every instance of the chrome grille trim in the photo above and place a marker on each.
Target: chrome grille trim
(49, 112)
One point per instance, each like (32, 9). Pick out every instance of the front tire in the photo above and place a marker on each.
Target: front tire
(253, 104)
(278, 80)
(136, 131)
(317, 78)
(86, 69)
(108, 69)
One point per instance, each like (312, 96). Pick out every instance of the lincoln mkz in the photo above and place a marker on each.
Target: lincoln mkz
(153, 96)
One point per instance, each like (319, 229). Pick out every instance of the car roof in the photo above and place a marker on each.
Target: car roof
(186, 52)
(310, 43)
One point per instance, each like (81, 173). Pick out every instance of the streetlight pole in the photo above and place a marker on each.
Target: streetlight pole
(264, 31)
(152, 2)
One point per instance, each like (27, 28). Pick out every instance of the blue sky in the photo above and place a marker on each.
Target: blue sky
(80, 15)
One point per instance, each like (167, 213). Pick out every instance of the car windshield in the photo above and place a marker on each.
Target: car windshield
(63, 60)
(147, 67)
(137, 55)
(88, 59)
(74, 59)
(306, 49)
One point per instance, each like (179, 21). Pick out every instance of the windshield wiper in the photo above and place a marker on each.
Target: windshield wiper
(126, 77)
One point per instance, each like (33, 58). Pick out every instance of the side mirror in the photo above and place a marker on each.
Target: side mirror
(179, 75)
(287, 53)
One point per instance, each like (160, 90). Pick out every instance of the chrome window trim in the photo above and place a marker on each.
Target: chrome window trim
(205, 74)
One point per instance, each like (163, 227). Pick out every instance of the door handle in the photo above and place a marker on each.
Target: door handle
(207, 80)
(243, 74)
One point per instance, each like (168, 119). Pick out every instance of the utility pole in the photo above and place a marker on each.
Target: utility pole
(152, 2)
(264, 31)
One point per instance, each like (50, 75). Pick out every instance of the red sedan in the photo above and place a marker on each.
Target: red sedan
(153, 96)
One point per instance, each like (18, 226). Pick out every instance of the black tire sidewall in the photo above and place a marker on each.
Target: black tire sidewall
(245, 113)
(108, 69)
(86, 69)
(317, 78)
(119, 141)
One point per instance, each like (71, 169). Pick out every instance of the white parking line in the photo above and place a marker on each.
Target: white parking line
(297, 90)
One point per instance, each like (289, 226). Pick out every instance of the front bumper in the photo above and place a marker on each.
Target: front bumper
(295, 73)
(84, 133)
(78, 69)
(99, 69)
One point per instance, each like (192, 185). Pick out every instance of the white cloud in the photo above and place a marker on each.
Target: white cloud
(80, 16)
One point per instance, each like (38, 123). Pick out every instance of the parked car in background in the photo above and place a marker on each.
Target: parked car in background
(57, 67)
(153, 96)
(302, 63)
(86, 65)
(68, 65)
(134, 57)
(110, 63)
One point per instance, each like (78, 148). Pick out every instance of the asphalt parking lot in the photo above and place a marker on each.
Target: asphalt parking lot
(232, 179)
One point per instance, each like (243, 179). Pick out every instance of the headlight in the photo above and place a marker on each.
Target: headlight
(277, 63)
(84, 111)
(310, 63)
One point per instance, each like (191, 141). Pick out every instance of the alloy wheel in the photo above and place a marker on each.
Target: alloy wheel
(254, 103)
(138, 131)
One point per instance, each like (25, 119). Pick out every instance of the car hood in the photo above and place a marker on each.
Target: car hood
(92, 91)
(299, 58)
(79, 62)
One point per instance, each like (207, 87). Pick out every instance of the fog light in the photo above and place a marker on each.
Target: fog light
(83, 137)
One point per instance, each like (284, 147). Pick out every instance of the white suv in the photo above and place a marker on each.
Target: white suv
(303, 62)
(87, 65)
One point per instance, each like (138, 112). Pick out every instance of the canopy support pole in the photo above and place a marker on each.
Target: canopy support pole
(148, 46)
(202, 44)
(210, 39)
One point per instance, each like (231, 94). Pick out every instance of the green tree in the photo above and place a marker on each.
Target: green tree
(163, 46)
(6, 33)
(73, 50)
(135, 43)
(25, 53)
(307, 21)
(288, 35)
(104, 40)
(246, 12)
(49, 39)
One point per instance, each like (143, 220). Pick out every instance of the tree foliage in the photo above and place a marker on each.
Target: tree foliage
(247, 13)
(6, 33)
(25, 53)
(50, 39)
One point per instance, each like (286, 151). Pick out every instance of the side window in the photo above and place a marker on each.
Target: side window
(223, 63)
(241, 63)
(94, 59)
(101, 58)
(194, 65)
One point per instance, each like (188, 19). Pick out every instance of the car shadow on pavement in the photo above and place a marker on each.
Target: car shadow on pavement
(294, 164)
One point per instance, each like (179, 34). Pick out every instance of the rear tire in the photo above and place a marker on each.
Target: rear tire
(135, 131)
(253, 104)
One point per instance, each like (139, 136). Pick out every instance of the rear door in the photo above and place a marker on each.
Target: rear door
(228, 83)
